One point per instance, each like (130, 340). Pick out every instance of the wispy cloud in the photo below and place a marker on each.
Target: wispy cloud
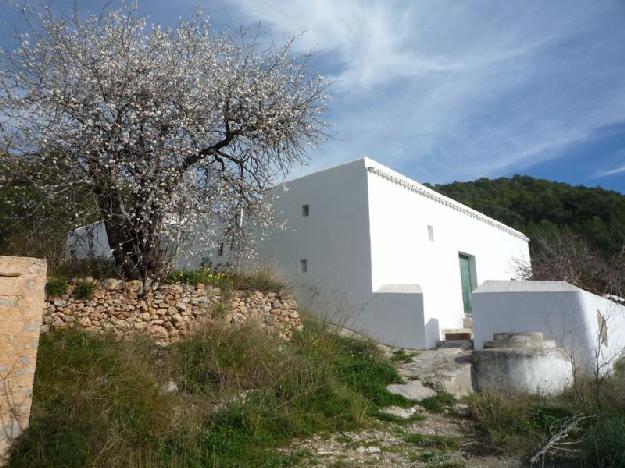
(442, 89)
(445, 89)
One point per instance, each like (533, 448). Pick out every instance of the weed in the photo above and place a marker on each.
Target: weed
(56, 287)
(227, 280)
(438, 403)
(439, 442)
(402, 356)
(84, 290)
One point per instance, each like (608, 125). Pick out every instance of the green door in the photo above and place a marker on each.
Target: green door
(467, 281)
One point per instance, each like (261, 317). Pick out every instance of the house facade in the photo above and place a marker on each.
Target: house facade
(384, 254)
(379, 252)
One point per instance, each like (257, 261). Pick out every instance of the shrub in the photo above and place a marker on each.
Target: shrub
(506, 420)
(84, 290)
(56, 287)
(604, 442)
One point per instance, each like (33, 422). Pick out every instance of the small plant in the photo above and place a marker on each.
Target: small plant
(219, 311)
(438, 403)
(436, 441)
(227, 280)
(56, 287)
(84, 290)
(402, 356)
(217, 279)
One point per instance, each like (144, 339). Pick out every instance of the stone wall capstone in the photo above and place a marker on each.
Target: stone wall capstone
(22, 286)
(171, 312)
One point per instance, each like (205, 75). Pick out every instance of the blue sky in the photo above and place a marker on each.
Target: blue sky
(448, 90)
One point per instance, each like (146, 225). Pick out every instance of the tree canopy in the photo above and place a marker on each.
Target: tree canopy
(168, 131)
(542, 208)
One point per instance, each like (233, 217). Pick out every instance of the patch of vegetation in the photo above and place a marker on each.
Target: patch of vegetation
(438, 403)
(84, 290)
(56, 287)
(438, 459)
(227, 280)
(402, 356)
(398, 420)
(241, 395)
(96, 401)
(436, 441)
(522, 424)
(95, 267)
(543, 208)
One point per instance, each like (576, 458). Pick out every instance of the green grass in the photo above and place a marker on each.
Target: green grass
(439, 442)
(402, 356)
(438, 403)
(241, 395)
(227, 280)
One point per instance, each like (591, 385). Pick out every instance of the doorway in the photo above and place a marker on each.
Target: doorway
(467, 280)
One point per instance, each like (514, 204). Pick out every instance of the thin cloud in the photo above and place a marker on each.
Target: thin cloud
(447, 90)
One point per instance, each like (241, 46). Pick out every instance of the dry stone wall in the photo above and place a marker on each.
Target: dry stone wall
(171, 312)
(22, 284)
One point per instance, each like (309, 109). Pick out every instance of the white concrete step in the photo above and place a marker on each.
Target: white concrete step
(462, 344)
(458, 334)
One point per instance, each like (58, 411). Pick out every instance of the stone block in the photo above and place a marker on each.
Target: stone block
(22, 294)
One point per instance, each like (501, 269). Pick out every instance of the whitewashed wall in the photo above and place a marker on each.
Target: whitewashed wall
(400, 212)
(366, 232)
(563, 312)
(89, 241)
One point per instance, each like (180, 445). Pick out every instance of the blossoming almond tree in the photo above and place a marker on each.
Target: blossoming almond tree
(170, 129)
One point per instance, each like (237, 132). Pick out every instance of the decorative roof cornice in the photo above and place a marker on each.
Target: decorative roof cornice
(443, 200)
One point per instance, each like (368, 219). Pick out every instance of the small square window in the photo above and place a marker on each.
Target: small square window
(305, 211)
(303, 265)
(431, 233)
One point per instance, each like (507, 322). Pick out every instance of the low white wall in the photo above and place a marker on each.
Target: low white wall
(564, 313)
(395, 316)
(88, 241)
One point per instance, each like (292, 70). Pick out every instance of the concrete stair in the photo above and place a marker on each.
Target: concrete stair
(458, 334)
(462, 344)
(456, 338)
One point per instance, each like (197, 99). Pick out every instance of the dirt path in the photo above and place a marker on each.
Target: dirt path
(428, 439)
(439, 439)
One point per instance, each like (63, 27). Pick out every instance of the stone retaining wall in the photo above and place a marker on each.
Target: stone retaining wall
(171, 311)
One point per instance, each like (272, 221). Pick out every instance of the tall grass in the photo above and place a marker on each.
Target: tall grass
(522, 424)
(241, 395)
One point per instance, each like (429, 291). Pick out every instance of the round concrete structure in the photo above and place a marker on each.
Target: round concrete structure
(521, 363)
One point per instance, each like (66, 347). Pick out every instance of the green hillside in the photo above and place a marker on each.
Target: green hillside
(542, 208)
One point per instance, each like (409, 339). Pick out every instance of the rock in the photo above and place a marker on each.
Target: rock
(168, 313)
(169, 387)
(445, 370)
(413, 390)
(399, 412)
(112, 284)
(368, 450)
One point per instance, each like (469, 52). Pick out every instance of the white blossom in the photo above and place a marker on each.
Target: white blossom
(171, 129)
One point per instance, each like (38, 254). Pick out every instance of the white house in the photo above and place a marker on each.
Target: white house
(384, 254)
